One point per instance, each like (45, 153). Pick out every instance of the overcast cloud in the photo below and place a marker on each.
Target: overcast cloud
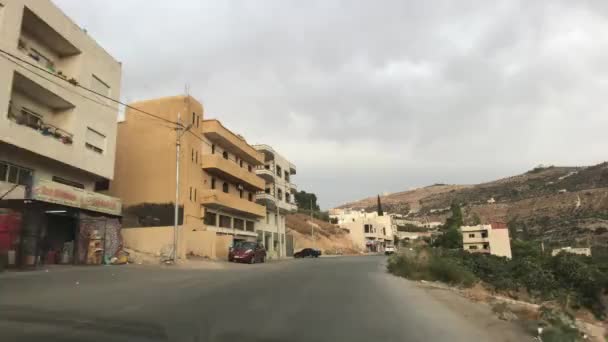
(368, 97)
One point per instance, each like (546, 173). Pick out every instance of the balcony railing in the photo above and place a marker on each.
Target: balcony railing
(26, 117)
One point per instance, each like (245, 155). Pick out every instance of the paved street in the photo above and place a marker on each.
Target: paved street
(327, 299)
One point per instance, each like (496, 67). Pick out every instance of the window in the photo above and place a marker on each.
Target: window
(225, 155)
(239, 224)
(190, 193)
(484, 234)
(280, 194)
(241, 163)
(486, 246)
(267, 190)
(225, 187)
(102, 185)
(287, 197)
(367, 228)
(15, 174)
(212, 149)
(193, 118)
(94, 140)
(195, 194)
(225, 221)
(279, 171)
(471, 235)
(250, 197)
(68, 182)
(196, 156)
(212, 183)
(287, 176)
(250, 226)
(100, 86)
(192, 157)
(240, 193)
(210, 218)
(473, 247)
(249, 168)
(267, 167)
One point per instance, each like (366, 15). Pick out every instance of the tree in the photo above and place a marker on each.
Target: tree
(380, 212)
(305, 199)
(476, 220)
(450, 239)
(454, 221)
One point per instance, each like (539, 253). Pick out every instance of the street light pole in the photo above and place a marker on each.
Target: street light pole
(312, 227)
(179, 130)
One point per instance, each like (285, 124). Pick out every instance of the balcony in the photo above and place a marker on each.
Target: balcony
(289, 207)
(292, 169)
(235, 144)
(27, 118)
(266, 174)
(266, 150)
(216, 199)
(476, 239)
(266, 200)
(293, 187)
(231, 171)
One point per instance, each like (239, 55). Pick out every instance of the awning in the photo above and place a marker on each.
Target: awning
(53, 192)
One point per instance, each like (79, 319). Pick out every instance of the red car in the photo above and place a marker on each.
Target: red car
(249, 252)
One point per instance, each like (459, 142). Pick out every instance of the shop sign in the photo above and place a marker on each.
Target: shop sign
(101, 203)
(53, 192)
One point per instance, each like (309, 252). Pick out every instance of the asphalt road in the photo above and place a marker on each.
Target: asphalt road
(327, 299)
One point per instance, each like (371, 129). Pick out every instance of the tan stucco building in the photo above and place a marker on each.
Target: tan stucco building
(487, 238)
(218, 180)
(57, 140)
(278, 198)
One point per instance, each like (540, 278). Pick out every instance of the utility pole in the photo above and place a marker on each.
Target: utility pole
(276, 221)
(312, 226)
(179, 132)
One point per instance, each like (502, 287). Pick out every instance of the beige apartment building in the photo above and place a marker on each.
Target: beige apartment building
(218, 181)
(57, 141)
(368, 231)
(278, 198)
(487, 238)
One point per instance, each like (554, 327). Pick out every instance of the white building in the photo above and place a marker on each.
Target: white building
(57, 141)
(369, 231)
(278, 198)
(487, 238)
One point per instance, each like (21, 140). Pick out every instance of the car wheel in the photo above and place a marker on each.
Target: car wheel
(252, 260)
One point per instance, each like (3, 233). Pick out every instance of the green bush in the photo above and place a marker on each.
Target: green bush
(449, 271)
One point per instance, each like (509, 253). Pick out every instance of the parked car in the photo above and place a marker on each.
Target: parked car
(249, 252)
(307, 252)
(388, 250)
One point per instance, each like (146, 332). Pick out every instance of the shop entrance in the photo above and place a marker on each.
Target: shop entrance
(58, 241)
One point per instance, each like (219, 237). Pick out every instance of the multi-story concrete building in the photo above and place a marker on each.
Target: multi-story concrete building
(278, 198)
(218, 180)
(57, 141)
(369, 231)
(487, 238)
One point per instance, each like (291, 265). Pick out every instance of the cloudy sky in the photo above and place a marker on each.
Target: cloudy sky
(368, 97)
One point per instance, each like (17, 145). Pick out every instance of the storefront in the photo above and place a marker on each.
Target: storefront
(59, 224)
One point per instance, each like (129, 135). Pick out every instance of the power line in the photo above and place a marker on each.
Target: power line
(83, 87)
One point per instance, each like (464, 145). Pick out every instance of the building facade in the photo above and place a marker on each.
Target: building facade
(369, 231)
(218, 180)
(278, 197)
(487, 238)
(57, 141)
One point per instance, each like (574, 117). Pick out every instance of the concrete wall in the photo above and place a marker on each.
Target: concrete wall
(201, 243)
(152, 239)
(222, 243)
(92, 60)
(499, 242)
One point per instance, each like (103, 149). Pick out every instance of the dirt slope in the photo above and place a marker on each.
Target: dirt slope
(328, 237)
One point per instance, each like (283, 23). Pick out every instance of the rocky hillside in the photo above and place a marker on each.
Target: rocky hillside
(560, 205)
(328, 237)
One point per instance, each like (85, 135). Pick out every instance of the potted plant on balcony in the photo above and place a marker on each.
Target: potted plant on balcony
(46, 130)
(62, 75)
(57, 134)
(67, 140)
(73, 81)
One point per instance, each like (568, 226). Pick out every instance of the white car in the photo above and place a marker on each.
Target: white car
(389, 250)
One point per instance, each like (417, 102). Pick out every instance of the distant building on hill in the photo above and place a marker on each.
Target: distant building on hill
(369, 231)
(581, 251)
(487, 238)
